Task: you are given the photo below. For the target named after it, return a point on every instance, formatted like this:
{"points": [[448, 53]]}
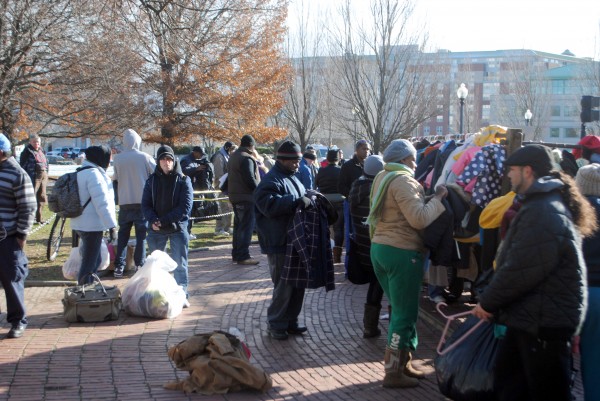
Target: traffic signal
{"points": [[589, 109]]}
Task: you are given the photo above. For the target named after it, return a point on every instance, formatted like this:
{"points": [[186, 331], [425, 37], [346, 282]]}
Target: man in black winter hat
{"points": [[243, 178], [166, 204], [196, 166], [277, 197]]}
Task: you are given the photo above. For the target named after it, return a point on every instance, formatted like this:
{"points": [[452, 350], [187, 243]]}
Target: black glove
{"points": [[112, 234], [304, 202]]}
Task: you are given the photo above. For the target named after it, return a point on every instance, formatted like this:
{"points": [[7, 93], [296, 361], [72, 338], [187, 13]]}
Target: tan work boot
{"points": [[411, 371], [394, 363]]}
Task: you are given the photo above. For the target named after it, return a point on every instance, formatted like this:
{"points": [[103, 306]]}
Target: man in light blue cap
{"points": [[18, 205]]}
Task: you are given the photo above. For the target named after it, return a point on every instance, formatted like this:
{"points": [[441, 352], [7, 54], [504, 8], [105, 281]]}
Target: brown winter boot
{"points": [[394, 363], [337, 254], [371, 321], [411, 371]]}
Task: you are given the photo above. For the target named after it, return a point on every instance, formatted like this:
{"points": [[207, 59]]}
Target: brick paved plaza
{"points": [[127, 359]]}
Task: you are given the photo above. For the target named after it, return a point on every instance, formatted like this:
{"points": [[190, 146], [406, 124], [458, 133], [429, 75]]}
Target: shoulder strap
{"points": [[77, 171]]}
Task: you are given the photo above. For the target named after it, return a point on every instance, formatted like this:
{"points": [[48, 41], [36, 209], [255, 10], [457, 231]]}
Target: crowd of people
{"points": [[543, 291]]}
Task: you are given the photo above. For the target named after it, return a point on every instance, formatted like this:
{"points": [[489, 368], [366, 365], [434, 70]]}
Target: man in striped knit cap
{"points": [[17, 209]]}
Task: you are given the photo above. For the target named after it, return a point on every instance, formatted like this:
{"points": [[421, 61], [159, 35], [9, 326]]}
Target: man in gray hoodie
{"points": [[132, 168]]}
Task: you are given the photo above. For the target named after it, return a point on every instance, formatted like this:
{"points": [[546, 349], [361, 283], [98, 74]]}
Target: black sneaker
{"points": [[16, 331], [118, 273]]}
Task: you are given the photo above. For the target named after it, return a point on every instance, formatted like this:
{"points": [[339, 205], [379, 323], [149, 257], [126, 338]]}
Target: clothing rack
{"points": [[555, 145]]}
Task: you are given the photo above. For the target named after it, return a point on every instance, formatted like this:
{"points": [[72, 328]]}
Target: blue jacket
{"points": [[181, 200], [275, 200], [305, 176]]}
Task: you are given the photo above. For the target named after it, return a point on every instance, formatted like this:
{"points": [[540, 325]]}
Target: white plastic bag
{"points": [[73, 264], [153, 291], [104, 255], [71, 267]]}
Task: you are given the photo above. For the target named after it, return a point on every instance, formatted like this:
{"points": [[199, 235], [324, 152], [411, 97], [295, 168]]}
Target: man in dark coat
{"points": [[166, 204], [327, 181], [242, 180], [196, 166], [538, 287], [277, 197]]}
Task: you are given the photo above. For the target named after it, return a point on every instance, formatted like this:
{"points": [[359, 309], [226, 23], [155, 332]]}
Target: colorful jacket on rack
{"points": [[487, 167]]}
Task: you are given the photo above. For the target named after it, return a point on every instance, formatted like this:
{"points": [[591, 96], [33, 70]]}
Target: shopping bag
{"points": [[466, 371], [72, 265], [90, 303], [152, 291]]}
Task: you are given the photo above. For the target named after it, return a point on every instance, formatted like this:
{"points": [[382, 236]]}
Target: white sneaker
{"points": [[192, 236], [222, 232]]}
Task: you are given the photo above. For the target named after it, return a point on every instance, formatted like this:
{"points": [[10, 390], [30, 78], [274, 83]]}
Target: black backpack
{"points": [[64, 199]]}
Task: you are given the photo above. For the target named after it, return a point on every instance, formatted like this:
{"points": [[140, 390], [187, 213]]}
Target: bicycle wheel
{"points": [[56, 235]]}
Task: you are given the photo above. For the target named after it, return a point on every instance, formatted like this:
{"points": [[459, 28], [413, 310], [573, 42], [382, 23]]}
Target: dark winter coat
{"points": [[177, 205], [243, 176], [351, 170], [539, 283], [201, 179], [33, 162], [359, 199], [275, 200]]}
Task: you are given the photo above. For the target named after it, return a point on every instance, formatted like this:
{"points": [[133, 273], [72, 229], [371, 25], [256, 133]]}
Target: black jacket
{"points": [[179, 204], [243, 176], [275, 200], [539, 283], [328, 178], [201, 179], [351, 170], [359, 199]]}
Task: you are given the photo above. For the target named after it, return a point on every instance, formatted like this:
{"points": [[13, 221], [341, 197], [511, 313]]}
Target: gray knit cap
{"points": [[398, 150], [373, 165]]}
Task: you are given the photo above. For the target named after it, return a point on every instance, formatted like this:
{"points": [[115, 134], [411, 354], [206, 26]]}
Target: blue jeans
{"points": [[179, 245], [286, 303], [243, 226], [89, 248], [12, 276], [130, 217]]}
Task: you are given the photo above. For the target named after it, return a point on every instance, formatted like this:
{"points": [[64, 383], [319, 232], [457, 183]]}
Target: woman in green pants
{"points": [[399, 211]]}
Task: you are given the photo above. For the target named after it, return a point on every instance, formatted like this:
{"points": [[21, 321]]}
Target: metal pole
{"points": [[582, 130], [462, 103]]}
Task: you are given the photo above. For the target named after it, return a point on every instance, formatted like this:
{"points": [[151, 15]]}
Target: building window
{"points": [[439, 119], [426, 130], [554, 132], [485, 112], [438, 130], [555, 111], [571, 111], [571, 133], [558, 87]]}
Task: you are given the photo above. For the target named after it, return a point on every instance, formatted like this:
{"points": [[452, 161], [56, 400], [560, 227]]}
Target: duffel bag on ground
{"points": [[92, 302]]}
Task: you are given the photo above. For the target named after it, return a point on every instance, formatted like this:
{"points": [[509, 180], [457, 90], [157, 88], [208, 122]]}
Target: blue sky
{"points": [[463, 25]]}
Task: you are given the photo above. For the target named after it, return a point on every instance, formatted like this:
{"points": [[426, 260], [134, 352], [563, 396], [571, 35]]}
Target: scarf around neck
{"points": [[394, 170]]}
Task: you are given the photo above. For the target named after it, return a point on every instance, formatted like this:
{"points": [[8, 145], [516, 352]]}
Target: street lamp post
{"points": [[528, 115], [462, 93]]}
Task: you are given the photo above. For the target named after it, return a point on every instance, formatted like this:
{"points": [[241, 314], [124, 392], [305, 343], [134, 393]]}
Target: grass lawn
{"points": [[42, 269]]}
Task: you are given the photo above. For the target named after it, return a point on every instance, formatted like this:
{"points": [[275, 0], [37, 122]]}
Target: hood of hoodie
{"points": [[543, 185], [131, 140]]}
